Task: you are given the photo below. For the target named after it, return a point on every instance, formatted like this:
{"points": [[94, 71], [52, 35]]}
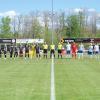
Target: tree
{"points": [[82, 21], [5, 27], [62, 22], [46, 21], [36, 28], [14, 27], [73, 26]]}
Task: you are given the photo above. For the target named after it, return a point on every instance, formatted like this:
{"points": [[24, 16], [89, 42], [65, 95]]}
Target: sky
{"points": [[25, 6]]}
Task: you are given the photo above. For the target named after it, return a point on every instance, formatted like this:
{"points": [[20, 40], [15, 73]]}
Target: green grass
{"points": [[24, 79], [77, 79], [30, 79]]}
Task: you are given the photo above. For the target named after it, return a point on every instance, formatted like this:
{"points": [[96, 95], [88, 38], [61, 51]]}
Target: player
{"points": [[80, 51], [5, 51], [26, 51], [37, 48], [52, 50], [20, 50], [15, 51], [74, 50], [32, 51], [0, 52], [68, 50], [11, 51], [45, 50], [90, 50], [96, 50], [59, 50]]}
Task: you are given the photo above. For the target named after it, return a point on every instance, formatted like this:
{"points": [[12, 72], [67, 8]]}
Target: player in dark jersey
{"points": [[26, 50], [37, 47], [11, 51], [5, 51], [15, 51], [0, 52], [20, 51]]}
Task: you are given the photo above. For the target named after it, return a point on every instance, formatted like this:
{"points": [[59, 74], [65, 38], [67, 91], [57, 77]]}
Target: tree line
{"points": [[38, 24]]}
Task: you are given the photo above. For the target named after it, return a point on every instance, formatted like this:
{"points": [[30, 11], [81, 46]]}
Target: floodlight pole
{"points": [[52, 22]]}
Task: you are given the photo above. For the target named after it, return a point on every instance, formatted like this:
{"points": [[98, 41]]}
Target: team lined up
{"points": [[70, 50]]}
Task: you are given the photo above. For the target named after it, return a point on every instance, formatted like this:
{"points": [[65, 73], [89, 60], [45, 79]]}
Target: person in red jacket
{"points": [[74, 50]]}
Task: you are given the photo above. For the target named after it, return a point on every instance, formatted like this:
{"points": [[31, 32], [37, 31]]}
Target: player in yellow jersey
{"points": [[52, 50], [59, 50], [32, 51], [45, 50]]}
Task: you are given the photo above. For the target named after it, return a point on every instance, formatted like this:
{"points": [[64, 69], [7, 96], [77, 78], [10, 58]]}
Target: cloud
{"points": [[1, 14], [41, 20], [9, 13], [77, 10], [91, 10], [98, 15]]}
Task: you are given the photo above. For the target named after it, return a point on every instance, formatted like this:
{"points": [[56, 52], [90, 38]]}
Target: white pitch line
{"points": [[52, 81]]}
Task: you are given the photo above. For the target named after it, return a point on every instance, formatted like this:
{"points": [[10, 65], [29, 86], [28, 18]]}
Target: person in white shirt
{"points": [[90, 50], [96, 50], [80, 51], [68, 50]]}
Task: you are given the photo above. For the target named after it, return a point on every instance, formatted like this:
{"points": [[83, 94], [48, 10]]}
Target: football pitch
{"points": [[30, 79]]}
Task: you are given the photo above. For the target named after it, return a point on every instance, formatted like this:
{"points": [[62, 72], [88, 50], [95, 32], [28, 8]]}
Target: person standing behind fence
{"points": [[52, 50], [5, 51], [45, 50], [60, 50], [96, 50]]}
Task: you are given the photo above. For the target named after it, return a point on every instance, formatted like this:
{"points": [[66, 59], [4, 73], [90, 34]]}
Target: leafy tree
{"points": [[5, 27], [73, 26], [36, 28]]}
